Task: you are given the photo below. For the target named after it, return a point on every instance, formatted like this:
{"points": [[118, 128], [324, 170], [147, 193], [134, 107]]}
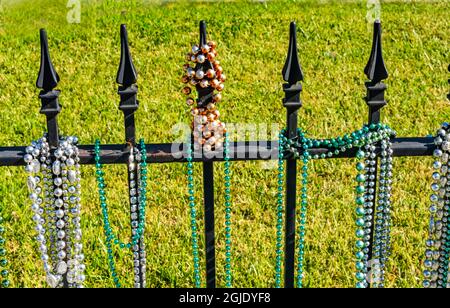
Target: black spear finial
{"points": [[292, 72], [126, 78], [47, 80], [48, 77], [204, 94], [202, 33], [126, 75], [375, 69]]}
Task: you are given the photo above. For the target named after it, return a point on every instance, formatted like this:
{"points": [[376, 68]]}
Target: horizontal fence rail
{"points": [[239, 151]]}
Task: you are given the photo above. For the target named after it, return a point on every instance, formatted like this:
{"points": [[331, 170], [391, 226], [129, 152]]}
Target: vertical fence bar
{"points": [[292, 74], [208, 190], [204, 98], [126, 78], [47, 80], [375, 71]]}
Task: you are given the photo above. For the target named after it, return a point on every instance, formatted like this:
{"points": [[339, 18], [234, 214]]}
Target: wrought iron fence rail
{"points": [[240, 151]]}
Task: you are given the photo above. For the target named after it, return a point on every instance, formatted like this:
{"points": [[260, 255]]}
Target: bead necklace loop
{"points": [[365, 138], [193, 214], [138, 199], [55, 190], [436, 272]]}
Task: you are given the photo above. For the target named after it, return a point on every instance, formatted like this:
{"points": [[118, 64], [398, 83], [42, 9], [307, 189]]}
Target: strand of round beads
{"points": [[381, 237], [374, 265], [446, 227], [193, 216], [372, 217], [366, 137], [438, 243], [58, 186], [69, 182], [369, 183], [445, 158], [106, 226], [137, 198], [142, 175], [227, 179], [384, 207], [3, 261], [305, 157], [36, 153], [441, 222], [134, 216], [280, 199], [48, 204], [137, 225], [62, 211], [363, 216]]}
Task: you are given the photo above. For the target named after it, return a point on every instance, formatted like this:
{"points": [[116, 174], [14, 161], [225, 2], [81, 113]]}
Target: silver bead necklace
{"points": [[438, 243], [55, 191], [382, 237], [379, 212], [139, 255]]}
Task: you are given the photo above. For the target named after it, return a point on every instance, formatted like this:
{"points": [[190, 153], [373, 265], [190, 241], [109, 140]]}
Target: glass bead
{"points": [[360, 154], [360, 276], [360, 222], [360, 189], [360, 178], [360, 233], [359, 244], [437, 165], [360, 266], [360, 211]]}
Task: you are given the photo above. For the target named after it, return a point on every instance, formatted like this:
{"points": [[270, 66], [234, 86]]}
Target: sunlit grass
{"points": [[334, 45]]}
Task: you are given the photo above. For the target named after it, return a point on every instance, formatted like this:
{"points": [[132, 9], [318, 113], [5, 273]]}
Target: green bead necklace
{"points": [[111, 237], [227, 180], [280, 199], [363, 138], [193, 214], [303, 211], [3, 261]]}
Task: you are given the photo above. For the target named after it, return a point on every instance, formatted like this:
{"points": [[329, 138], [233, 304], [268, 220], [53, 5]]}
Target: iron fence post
{"points": [[47, 80], [375, 71], [204, 98], [126, 78], [292, 74]]}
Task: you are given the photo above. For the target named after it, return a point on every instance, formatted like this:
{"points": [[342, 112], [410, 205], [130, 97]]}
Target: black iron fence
{"points": [[255, 150]]}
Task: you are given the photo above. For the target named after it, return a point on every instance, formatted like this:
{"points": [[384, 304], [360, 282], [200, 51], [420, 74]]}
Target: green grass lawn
{"points": [[334, 45]]}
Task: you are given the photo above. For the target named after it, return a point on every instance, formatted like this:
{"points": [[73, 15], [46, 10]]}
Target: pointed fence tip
{"points": [[292, 72], [48, 78], [126, 75], [202, 33], [375, 69]]}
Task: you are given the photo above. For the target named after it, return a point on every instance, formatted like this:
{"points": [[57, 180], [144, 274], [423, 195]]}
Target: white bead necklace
{"points": [[55, 191]]}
